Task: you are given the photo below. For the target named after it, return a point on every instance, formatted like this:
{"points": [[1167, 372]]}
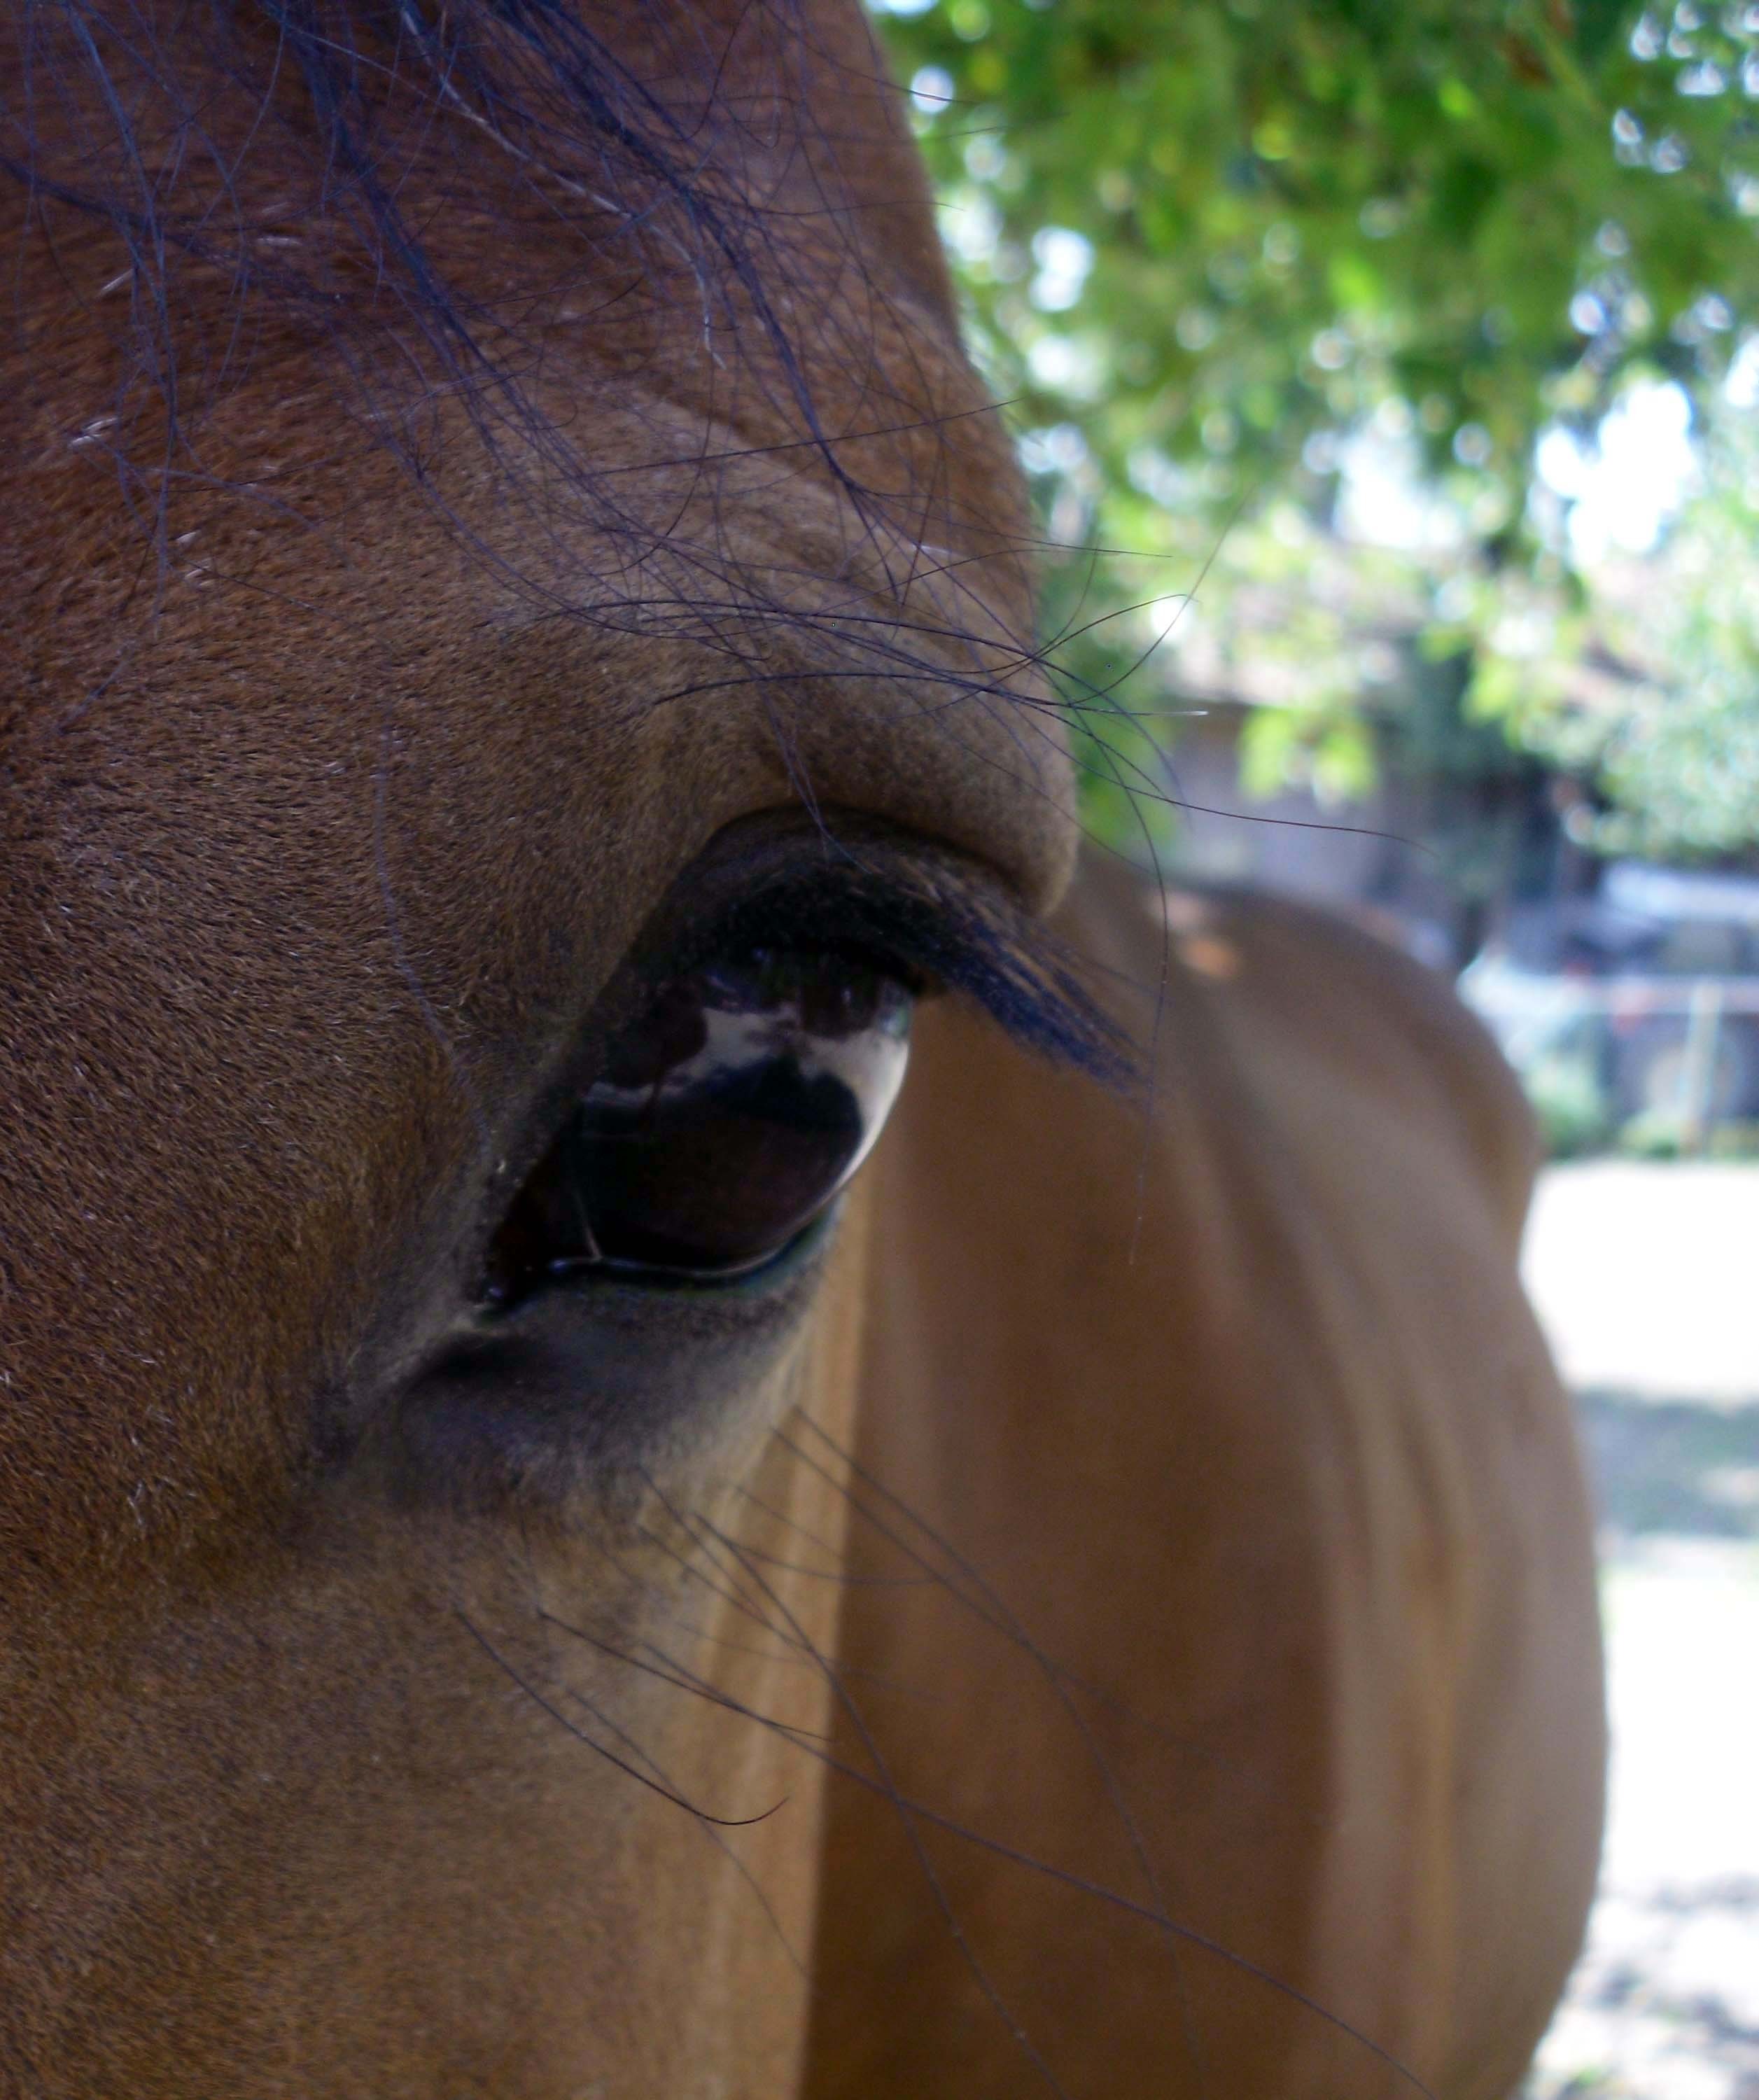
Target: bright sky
{"points": [[1624, 488]]}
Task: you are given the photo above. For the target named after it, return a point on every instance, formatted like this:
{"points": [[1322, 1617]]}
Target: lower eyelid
{"points": [[754, 1279], [585, 1387]]}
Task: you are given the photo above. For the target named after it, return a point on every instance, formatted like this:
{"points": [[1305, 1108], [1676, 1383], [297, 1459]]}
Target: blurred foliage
{"points": [[1569, 1104], [1231, 262], [1678, 754]]}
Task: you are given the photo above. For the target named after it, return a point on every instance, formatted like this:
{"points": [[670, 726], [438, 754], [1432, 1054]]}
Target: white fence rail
{"points": [[1680, 1051]]}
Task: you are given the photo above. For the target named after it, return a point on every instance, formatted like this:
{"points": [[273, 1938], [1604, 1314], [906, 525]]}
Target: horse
{"points": [[530, 1570]]}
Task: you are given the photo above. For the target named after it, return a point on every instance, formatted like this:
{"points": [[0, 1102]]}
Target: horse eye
{"points": [[726, 1118]]}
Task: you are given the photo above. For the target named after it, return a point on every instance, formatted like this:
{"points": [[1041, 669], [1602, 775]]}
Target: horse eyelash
{"points": [[938, 930]]}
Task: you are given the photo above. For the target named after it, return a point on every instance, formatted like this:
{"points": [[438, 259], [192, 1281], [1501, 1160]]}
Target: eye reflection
{"points": [[726, 1120]]}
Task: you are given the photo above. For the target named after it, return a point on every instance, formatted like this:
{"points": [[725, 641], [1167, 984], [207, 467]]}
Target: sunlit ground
{"points": [[1647, 1278]]}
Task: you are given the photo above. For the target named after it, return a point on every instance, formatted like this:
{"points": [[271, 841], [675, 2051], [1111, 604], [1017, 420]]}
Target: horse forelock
{"points": [[440, 202]]}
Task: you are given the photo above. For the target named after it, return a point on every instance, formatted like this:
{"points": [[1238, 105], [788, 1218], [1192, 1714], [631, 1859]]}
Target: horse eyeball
{"points": [[725, 1121]]}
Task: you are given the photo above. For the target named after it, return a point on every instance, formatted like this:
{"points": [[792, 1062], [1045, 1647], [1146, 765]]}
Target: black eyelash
{"points": [[934, 929]]}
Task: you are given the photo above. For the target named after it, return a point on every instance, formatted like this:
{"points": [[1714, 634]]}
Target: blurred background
{"points": [[1387, 373]]}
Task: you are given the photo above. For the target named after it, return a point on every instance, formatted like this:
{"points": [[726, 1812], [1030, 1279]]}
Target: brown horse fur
{"points": [[444, 549]]}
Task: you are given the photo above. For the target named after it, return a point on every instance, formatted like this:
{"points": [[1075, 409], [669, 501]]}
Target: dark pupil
{"points": [[725, 1121]]}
